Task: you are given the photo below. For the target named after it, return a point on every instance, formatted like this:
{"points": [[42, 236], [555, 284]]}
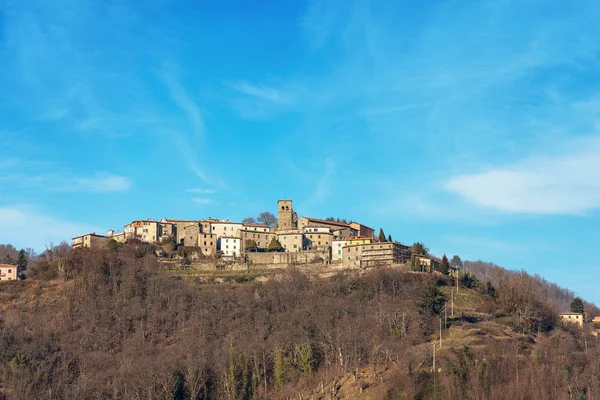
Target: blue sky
{"points": [[473, 127]]}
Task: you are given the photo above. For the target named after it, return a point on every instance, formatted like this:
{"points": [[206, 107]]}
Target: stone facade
{"points": [[428, 263], [8, 272], [260, 234], [190, 235], [363, 230], [208, 244], [91, 241], [291, 240], [292, 258], [339, 230], [148, 231], [317, 238], [286, 217]]}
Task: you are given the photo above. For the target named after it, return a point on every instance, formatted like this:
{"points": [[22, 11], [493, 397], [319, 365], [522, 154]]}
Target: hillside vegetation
{"points": [[115, 325]]}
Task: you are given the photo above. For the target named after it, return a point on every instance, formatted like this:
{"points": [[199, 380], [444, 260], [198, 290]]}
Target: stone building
{"points": [[116, 236], [286, 217], [208, 244], [149, 231], [428, 263], [369, 255], [8, 272], [317, 237], [339, 230], [291, 240], [261, 234], [176, 228], [190, 235], [230, 246], [363, 230], [90, 240]]}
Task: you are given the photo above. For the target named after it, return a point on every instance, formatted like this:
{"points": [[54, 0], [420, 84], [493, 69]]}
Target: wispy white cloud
{"points": [[261, 92], [564, 184], [323, 187], [201, 191], [103, 184], [18, 220]]}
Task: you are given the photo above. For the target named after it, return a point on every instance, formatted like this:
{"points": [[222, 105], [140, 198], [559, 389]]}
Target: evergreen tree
{"points": [[22, 261], [381, 235], [577, 305], [445, 266], [420, 249], [274, 245], [432, 300], [456, 261], [390, 238]]}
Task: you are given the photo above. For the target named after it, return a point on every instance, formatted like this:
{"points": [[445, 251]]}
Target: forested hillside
{"points": [[115, 325]]}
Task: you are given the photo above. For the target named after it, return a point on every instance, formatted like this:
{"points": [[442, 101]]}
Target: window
{"points": [[319, 243], [295, 246], [319, 236], [339, 252], [227, 246], [205, 242], [211, 243], [10, 271]]}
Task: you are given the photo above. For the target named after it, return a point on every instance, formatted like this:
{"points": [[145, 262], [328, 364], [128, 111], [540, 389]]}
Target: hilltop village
{"points": [[291, 241]]}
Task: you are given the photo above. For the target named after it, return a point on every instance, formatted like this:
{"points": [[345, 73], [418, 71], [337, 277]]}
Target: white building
{"points": [[337, 247], [231, 246], [225, 229]]}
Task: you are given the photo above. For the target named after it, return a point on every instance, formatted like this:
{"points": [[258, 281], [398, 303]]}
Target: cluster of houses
{"points": [[350, 244]]}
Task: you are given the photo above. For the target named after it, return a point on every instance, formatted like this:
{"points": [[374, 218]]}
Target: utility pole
{"points": [[434, 378], [440, 332], [446, 315], [452, 300]]}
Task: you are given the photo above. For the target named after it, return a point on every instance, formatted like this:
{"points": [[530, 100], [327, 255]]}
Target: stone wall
{"points": [[303, 257]]}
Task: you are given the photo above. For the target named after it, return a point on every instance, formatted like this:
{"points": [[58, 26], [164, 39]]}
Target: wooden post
{"points": [[452, 302]]}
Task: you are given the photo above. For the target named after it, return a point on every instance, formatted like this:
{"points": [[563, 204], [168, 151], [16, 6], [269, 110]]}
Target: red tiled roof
{"points": [[324, 221]]}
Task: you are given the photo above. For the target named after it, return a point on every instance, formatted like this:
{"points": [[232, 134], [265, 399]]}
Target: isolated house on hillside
{"points": [[91, 240], [572, 317], [8, 272]]}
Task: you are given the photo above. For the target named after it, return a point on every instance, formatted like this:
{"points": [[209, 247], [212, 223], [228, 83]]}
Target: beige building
{"points": [[317, 237], [116, 236], [339, 230], [369, 255], [261, 234], [428, 263], [226, 229], [291, 240], [230, 246], [90, 240], [363, 230], [8, 272], [572, 317], [148, 231]]}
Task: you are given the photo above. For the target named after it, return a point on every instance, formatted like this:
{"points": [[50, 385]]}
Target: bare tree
{"points": [[267, 218]]}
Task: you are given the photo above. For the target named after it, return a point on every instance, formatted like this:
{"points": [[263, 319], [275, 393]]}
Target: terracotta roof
{"points": [[257, 225], [7, 266], [358, 223], [324, 221], [570, 313]]}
